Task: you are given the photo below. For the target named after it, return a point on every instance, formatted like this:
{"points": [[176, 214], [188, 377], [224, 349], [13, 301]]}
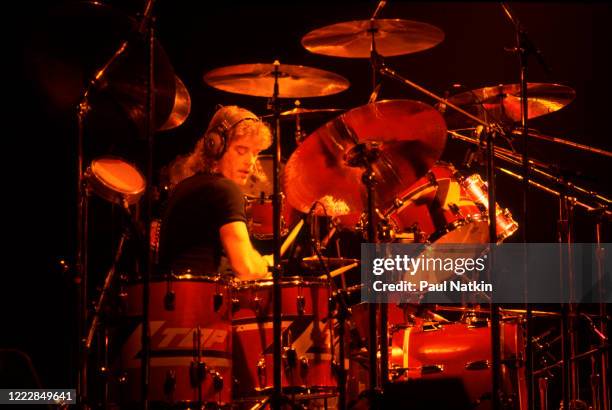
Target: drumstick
{"points": [[340, 271], [291, 237]]}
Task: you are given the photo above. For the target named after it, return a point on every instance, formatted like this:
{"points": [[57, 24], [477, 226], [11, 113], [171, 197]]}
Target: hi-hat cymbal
{"points": [[502, 103], [295, 81], [411, 137], [392, 37]]}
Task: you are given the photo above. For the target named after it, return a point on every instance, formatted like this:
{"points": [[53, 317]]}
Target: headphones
{"points": [[216, 136]]}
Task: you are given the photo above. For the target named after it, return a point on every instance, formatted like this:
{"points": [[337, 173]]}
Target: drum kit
{"points": [[374, 170]]}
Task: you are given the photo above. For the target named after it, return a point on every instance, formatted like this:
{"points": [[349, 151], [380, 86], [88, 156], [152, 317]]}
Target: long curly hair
{"points": [[198, 161]]}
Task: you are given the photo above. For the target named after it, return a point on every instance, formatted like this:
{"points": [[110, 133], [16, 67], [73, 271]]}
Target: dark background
{"points": [[58, 49]]}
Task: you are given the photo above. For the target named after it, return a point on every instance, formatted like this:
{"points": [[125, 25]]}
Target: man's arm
{"points": [[245, 260]]}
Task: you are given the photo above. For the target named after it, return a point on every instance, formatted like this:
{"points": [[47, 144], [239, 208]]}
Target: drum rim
{"points": [[285, 281], [92, 173], [183, 277], [108, 192]]}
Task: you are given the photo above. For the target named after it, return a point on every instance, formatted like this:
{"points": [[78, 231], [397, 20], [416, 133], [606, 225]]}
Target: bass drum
{"points": [[190, 323]]}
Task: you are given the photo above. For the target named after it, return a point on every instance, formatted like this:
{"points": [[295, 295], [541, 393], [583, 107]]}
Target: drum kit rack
{"points": [[351, 167]]}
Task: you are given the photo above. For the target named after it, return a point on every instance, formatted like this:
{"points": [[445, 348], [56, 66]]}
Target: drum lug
{"points": [[290, 357], [256, 305], [170, 300], [217, 381], [217, 301], [197, 373], [261, 372], [304, 365], [235, 305], [301, 305], [122, 378], [432, 369], [170, 382], [478, 365]]}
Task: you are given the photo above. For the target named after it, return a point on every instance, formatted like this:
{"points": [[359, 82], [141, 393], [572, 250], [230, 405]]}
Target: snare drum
{"points": [[443, 207], [306, 337], [180, 310], [115, 180]]}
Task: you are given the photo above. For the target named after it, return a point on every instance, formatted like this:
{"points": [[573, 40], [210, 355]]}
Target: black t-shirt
{"points": [[196, 210]]}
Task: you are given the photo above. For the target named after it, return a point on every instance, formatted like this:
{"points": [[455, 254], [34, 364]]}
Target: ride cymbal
{"points": [[257, 80], [502, 103], [353, 39], [410, 136]]}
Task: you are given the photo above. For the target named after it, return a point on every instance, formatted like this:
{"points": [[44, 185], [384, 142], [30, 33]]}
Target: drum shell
{"points": [[460, 351], [421, 349], [203, 302], [101, 173], [305, 328], [444, 207]]}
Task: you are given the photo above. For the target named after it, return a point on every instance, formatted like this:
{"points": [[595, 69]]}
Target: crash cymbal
{"points": [[295, 81], [72, 44], [411, 136], [305, 112], [502, 103], [181, 109], [392, 37]]}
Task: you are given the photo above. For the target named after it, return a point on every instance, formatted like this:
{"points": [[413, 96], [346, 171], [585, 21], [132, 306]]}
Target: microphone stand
{"points": [[277, 393], [147, 25], [363, 155], [81, 265], [524, 47]]}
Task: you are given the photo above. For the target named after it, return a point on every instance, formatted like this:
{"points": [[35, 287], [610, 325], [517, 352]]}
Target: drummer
{"points": [[204, 222]]}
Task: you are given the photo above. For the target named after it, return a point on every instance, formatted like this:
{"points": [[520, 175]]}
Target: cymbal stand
{"points": [[147, 28], [81, 265], [524, 48], [277, 394], [364, 155]]}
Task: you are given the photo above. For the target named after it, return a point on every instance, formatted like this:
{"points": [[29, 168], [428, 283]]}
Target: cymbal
{"points": [[295, 81], [392, 37], [75, 40], [181, 109], [411, 136], [305, 112], [502, 103]]}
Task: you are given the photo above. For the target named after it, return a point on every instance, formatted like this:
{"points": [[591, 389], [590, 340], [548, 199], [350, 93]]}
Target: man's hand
{"points": [[269, 259]]}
